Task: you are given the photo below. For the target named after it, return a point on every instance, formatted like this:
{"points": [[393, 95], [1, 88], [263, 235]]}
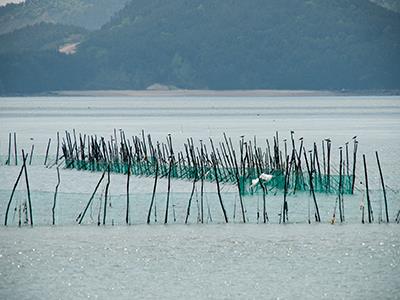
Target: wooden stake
{"points": [[81, 216], [15, 148], [169, 189], [354, 166], [12, 195], [58, 147], [383, 187], [106, 194], [27, 187], [370, 213], [31, 156], [154, 192], [218, 188], [47, 152], [317, 215], [55, 196], [190, 200], [127, 191], [8, 162], [340, 186]]}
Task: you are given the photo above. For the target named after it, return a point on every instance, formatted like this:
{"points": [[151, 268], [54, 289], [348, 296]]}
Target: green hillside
{"points": [[90, 14], [229, 44], [39, 37], [254, 44], [393, 5]]}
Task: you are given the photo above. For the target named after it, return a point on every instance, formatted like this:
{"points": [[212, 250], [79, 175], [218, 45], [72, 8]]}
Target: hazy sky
{"points": [[4, 2]]}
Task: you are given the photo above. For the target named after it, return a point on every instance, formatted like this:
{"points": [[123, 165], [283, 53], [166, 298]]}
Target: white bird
{"points": [[266, 177], [254, 182], [263, 177]]}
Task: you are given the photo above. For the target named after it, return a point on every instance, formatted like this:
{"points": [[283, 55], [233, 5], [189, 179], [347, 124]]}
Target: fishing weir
{"points": [[141, 157], [253, 167]]}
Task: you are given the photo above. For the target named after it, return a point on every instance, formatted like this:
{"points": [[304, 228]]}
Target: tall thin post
{"points": [[47, 152], [82, 215], [9, 150], [190, 200], [328, 146], [383, 186], [354, 165], [317, 215], [238, 183], [127, 191], [340, 185], [15, 148], [370, 213], [285, 205], [169, 190], [106, 194], [58, 147], [31, 155], [202, 184], [154, 192], [53, 209], [12, 195], [347, 162], [27, 188], [218, 188]]}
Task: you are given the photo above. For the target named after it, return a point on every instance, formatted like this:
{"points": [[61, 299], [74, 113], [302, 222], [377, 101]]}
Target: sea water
{"points": [[272, 261]]}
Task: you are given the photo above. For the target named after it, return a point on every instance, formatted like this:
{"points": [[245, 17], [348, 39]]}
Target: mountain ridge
{"points": [[217, 45], [90, 14]]}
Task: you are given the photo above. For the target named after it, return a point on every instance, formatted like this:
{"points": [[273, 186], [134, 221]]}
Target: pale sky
{"points": [[4, 2]]}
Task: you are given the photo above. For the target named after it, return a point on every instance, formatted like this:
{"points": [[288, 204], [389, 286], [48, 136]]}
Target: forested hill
{"points": [[40, 37], [389, 4], [226, 44], [90, 14]]}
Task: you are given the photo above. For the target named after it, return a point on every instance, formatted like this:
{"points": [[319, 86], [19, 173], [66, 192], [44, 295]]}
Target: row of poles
{"points": [[86, 152], [140, 156]]}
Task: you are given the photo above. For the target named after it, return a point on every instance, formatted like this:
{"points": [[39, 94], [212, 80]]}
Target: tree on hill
{"points": [[90, 14], [228, 44]]}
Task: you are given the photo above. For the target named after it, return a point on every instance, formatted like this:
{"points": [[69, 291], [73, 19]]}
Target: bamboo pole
{"points": [[370, 213], [12, 195], [328, 146], [190, 200], [47, 152], [169, 190], [317, 215], [340, 186], [347, 160], [202, 184], [218, 188], [58, 147], [354, 165], [31, 155], [285, 205], [55, 196], [8, 162], [15, 148], [323, 156], [82, 215], [154, 193], [24, 158], [106, 195], [383, 186], [127, 191]]}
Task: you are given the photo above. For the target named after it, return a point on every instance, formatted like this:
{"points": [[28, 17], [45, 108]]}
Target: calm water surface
{"points": [[302, 261]]}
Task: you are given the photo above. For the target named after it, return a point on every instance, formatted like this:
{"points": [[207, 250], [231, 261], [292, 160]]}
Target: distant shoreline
{"points": [[195, 93], [208, 93]]}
